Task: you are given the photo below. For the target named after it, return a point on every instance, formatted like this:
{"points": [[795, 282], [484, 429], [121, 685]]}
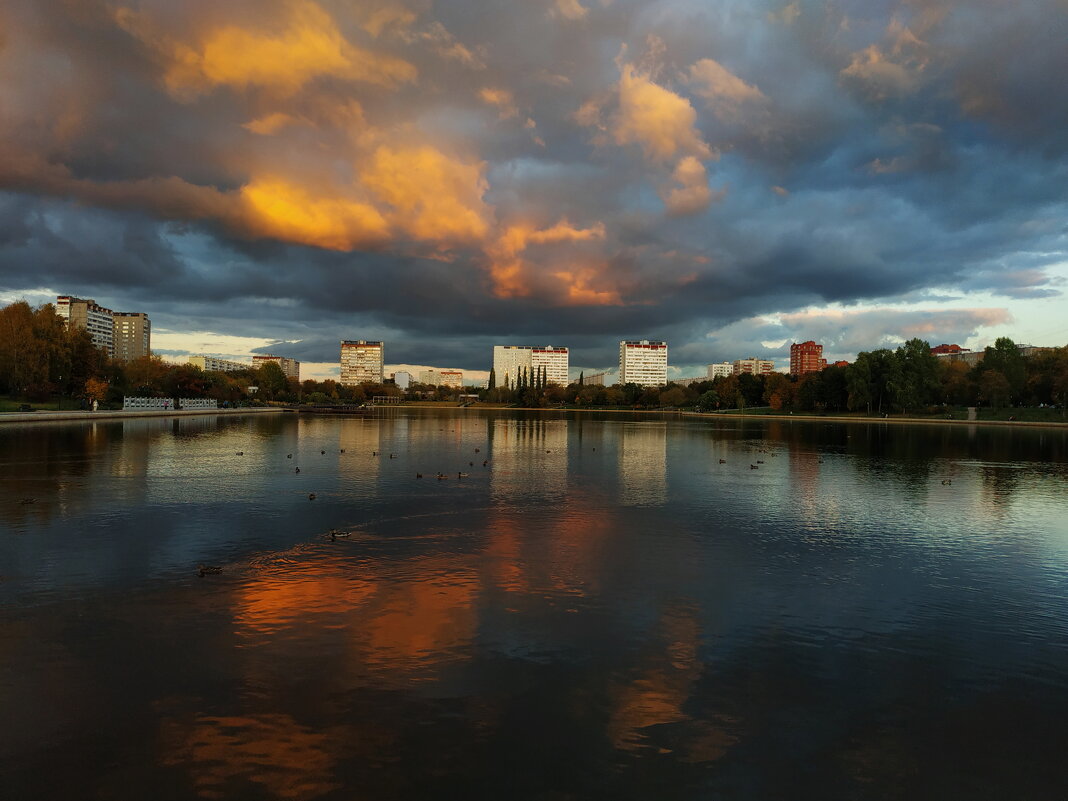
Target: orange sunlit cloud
{"points": [[435, 198], [691, 193], [578, 285], [502, 99], [662, 122], [309, 46], [289, 212], [507, 267]]}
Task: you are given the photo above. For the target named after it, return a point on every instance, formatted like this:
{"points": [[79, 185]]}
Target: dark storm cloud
{"points": [[457, 174]]}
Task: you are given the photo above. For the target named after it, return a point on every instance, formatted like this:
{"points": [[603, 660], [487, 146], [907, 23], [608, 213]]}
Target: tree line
{"points": [[908, 379], [41, 359]]}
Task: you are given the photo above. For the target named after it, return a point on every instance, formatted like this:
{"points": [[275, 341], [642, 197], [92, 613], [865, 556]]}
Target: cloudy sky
{"points": [[728, 175]]}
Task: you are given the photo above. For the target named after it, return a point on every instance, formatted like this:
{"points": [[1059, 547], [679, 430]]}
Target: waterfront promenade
{"points": [[101, 416]]}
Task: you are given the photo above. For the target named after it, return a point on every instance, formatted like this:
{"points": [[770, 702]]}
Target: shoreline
{"points": [[891, 420], [804, 418], [83, 416]]}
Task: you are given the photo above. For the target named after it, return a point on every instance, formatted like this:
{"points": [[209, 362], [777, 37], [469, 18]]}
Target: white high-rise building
{"points": [[85, 313], [643, 362], [554, 360], [402, 378], [361, 361], [510, 360], [720, 369]]}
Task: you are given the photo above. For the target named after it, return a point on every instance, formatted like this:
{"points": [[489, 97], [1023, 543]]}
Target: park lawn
{"points": [[1045, 414], [10, 405]]}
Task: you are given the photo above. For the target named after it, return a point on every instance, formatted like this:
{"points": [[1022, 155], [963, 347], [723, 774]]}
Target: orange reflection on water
{"points": [[658, 694], [414, 624], [272, 752], [567, 550], [503, 554], [272, 603]]}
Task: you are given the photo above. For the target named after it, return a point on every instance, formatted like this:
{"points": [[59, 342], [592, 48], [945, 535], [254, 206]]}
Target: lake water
{"points": [[607, 607]]}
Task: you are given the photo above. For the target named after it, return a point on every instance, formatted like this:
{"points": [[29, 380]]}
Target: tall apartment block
{"points": [[556, 362], [214, 365], [643, 362], [510, 360], [806, 357], [753, 366], [291, 367], [720, 368], [361, 361], [132, 334], [87, 314]]}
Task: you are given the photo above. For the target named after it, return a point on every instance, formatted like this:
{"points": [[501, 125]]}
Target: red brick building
{"points": [[939, 350], [806, 357]]}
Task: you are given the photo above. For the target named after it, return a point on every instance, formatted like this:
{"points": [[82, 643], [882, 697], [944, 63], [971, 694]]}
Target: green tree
{"points": [[708, 401], [1004, 357], [918, 367], [994, 389], [955, 384], [271, 380], [673, 396], [777, 390]]}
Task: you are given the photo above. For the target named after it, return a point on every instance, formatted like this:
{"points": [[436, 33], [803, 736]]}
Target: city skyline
{"points": [[510, 363], [728, 178]]}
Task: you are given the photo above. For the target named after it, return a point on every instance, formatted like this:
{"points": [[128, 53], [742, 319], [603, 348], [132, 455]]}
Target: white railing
{"points": [[148, 404], [198, 403]]}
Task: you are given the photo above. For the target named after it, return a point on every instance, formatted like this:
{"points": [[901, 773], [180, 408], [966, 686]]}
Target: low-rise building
{"points": [[216, 365], [720, 369], [752, 366], [290, 367], [944, 349], [451, 378]]}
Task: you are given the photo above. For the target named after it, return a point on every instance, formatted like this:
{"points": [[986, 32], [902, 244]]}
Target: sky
{"points": [[273, 176]]}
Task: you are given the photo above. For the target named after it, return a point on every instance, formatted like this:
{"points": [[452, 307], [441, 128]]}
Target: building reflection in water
{"points": [[529, 455], [642, 454], [474, 632], [361, 438]]}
